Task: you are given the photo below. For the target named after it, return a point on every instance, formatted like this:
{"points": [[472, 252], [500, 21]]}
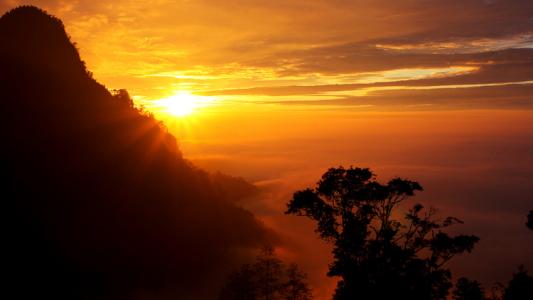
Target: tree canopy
{"points": [[376, 254], [466, 289], [520, 287], [267, 278]]}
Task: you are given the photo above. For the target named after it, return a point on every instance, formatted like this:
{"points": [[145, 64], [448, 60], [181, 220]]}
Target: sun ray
{"points": [[181, 104]]}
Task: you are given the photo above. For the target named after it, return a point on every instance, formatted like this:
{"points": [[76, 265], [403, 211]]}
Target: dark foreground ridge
{"points": [[100, 202]]}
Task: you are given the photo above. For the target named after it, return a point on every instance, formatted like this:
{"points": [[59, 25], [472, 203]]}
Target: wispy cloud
{"points": [[237, 45]]}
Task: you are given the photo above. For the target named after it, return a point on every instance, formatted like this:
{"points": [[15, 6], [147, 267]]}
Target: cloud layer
{"points": [[205, 46]]}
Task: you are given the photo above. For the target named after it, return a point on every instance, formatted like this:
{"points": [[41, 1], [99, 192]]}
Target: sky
{"points": [[436, 91]]}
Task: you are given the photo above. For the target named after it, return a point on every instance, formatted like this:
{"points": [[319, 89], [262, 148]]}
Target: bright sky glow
{"points": [[182, 103]]}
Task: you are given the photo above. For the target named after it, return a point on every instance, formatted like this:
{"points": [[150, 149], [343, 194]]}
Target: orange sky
{"points": [[437, 91], [156, 48]]}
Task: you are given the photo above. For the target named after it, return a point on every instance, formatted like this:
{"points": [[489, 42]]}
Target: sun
{"points": [[181, 104]]}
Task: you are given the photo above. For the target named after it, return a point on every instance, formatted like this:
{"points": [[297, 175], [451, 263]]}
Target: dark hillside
{"points": [[100, 202]]}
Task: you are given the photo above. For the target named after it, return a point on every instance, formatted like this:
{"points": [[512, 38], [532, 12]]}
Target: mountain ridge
{"points": [[101, 203]]}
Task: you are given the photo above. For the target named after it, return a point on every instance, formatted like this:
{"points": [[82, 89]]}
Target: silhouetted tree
{"points": [[520, 287], [295, 286], [529, 222], [267, 278], [466, 289], [377, 256], [269, 270], [240, 285]]}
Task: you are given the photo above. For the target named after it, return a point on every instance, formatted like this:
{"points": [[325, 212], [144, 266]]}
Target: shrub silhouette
{"points": [[375, 255], [99, 202], [520, 287], [268, 278], [466, 289], [295, 286]]}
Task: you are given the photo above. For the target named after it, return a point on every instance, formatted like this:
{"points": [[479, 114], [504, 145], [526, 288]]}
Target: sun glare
{"points": [[181, 104]]}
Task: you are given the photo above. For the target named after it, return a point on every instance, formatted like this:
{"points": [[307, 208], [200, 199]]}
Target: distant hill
{"points": [[100, 204]]}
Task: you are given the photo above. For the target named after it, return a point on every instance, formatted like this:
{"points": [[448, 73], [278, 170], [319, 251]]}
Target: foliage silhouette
{"points": [[268, 270], [296, 287], [268, 278], [466, 289], [377, 256], [99, 202], [520, 287]]}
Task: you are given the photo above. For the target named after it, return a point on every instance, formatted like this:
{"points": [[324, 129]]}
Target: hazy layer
{"points": [[475, 164]]}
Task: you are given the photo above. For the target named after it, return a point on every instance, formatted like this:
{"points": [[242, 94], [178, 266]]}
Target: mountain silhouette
{"points": [[100, 203]]}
